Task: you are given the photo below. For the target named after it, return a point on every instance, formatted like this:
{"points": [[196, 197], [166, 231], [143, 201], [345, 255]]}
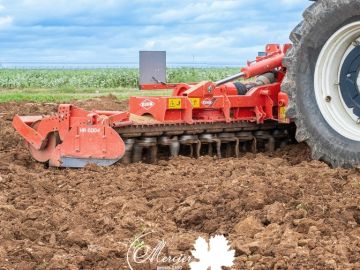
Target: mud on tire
{"points": [[321, 20]]}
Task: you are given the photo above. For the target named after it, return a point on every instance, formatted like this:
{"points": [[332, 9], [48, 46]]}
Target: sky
{"points": [[113, 31]]}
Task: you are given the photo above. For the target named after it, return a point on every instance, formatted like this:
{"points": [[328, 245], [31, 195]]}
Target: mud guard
{"points": [[83, 145]]}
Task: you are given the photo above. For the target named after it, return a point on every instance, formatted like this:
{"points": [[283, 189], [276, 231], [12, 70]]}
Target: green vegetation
{"points": [[67, 85]]}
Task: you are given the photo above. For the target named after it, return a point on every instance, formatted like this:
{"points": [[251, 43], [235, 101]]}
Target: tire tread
{"points": [[293, 63]]}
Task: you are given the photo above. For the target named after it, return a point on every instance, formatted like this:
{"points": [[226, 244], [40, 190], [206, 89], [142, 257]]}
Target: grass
{"points": [[66, 85]]}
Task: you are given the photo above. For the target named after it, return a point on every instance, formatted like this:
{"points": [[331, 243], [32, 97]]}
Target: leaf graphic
{"points": [[201, 248], [216, 255], [220, 248], [201, 253]]}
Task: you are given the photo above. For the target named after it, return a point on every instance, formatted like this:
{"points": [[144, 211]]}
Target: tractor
{"points": [[308, 90]]}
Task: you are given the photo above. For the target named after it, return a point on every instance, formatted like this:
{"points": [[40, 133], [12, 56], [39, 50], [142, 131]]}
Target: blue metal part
{"points": [[69, 162], [348, 81]]}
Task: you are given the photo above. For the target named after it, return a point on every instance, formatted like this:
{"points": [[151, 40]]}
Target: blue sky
{"points": [[105, 31]]}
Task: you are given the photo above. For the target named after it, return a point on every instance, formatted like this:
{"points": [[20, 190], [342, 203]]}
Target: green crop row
{"points": [[100, 78]]}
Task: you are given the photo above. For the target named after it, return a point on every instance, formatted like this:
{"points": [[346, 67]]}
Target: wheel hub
{"points": [[349, 78]]}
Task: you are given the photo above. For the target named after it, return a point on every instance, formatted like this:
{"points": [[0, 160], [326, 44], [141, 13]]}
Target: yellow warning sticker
{"points": [[195, 102], [282, 115], [175, 103]]}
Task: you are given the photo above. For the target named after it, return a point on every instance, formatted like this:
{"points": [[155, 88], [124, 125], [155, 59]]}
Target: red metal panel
{"points": [[22, 124]]}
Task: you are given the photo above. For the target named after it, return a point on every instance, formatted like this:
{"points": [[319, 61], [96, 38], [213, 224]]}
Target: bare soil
{"points": [[279, 210]]}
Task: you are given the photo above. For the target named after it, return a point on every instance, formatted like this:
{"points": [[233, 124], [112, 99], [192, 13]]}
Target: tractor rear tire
{"points": [[325, 45]]}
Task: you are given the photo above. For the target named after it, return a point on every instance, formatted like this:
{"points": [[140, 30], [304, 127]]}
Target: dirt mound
{"points": [[109, 103], [280, 211]]}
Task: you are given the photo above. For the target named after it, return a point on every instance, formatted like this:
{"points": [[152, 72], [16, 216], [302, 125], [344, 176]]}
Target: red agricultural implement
{"points": [[312, 83], [206, 113]]}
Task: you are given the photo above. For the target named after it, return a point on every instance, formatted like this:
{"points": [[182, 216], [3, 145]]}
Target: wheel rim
{"points": [[331, 94]]}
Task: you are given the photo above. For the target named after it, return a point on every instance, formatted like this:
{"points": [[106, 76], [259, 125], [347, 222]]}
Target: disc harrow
{"points": [[147, 144], [219, 119]]}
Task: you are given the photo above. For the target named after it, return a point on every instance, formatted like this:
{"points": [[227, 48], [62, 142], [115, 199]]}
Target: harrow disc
{"points": [[149, 143]]}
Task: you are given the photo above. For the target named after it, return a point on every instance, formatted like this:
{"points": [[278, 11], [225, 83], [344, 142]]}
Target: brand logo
{"points": [[208, 102], [147, 104], [212, 255]]}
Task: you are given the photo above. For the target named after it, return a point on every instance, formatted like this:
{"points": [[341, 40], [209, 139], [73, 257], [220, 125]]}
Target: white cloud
{"points": [[291, 2], [6, 21], [114, 30], [198, 10]]}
